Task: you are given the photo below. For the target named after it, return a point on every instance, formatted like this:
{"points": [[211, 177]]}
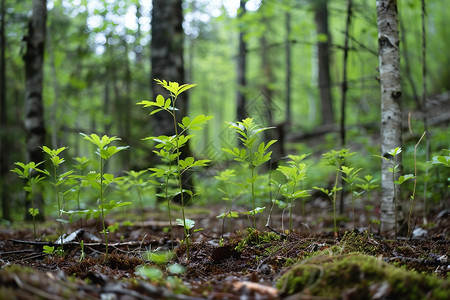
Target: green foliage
{"points": [[28, 172], [338, 160], [169, 148], [251, 153], [294, 173], [101, 180], [442, 160]]}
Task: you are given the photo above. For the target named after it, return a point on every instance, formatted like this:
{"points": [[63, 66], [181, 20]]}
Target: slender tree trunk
{"points": [[34, 111], [3, 119], [167, 63], [424, 106], [391, 113], [288, 114], [344, 72], [241, 69], [344, 89], [55, 107], [323, 49]]}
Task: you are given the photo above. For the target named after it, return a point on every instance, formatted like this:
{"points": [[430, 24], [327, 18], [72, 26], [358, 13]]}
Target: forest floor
{"points": [[309, 263]]}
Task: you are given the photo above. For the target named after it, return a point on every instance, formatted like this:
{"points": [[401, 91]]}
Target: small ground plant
{"points": [[251, 154], [394, 169], [26, 171], [295, 173]]}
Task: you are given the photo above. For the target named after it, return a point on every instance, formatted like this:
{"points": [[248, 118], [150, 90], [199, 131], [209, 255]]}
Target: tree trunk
{"points": [[391, 114], [167, 63], [323, 51], [288, 115], [241, 112], [3, 119], [34, 111]]}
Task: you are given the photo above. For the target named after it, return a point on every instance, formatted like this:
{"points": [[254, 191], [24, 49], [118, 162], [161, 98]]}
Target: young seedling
{"points": [[336, 159], [80, 166], [170, 148], [135, 180], [102, 180], [58, 180], [394, 169], [25, 171], [229, 194], [250, 155], [294, 173], [350, 175], [415, 184]]}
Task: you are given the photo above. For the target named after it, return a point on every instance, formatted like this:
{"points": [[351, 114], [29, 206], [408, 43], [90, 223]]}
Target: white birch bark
{"points": [[391, 114]]}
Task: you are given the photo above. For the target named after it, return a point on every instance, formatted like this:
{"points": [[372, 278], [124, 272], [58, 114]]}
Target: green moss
{"points": [[255, 237], [360, 276], [363, 243]]}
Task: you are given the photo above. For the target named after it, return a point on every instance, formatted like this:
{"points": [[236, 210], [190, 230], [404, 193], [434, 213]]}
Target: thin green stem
{"points": [[290, 207], [180, 180], [141, 206], [395, 196], [102, 210], [253, 193], [334, 201]]}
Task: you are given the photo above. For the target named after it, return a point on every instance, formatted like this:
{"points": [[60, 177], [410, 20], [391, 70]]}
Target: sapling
{"points": [[170, 148], [350, 175], [336, 159], [251, 154], [294, 173], [394, 169], [415, 184], [102, 180], [25, 171], [58, 180], [229, 194], [135, 180], [81, 165]]}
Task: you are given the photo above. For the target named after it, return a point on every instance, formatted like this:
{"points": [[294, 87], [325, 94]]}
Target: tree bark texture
{"points": [[3, 120], [241, 112], [34, 111], [323, 52], [167, 56], [391, 113]]}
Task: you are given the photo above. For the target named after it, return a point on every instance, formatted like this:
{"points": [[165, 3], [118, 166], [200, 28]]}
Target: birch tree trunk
{"points": [[34, 111], [391, 113]]}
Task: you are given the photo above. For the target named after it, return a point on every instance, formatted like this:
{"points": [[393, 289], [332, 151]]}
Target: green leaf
{"points": [[229, 214], [404, 178], [149, 272], [189, 223]]}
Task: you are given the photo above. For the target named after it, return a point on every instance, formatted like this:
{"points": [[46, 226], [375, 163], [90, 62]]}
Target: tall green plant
{"points": [[58, 180], [102, 180], [250, 153], [336, 158], [170, 149]]}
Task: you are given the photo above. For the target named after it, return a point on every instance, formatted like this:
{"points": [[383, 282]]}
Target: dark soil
{"points": [[243, 264]]}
